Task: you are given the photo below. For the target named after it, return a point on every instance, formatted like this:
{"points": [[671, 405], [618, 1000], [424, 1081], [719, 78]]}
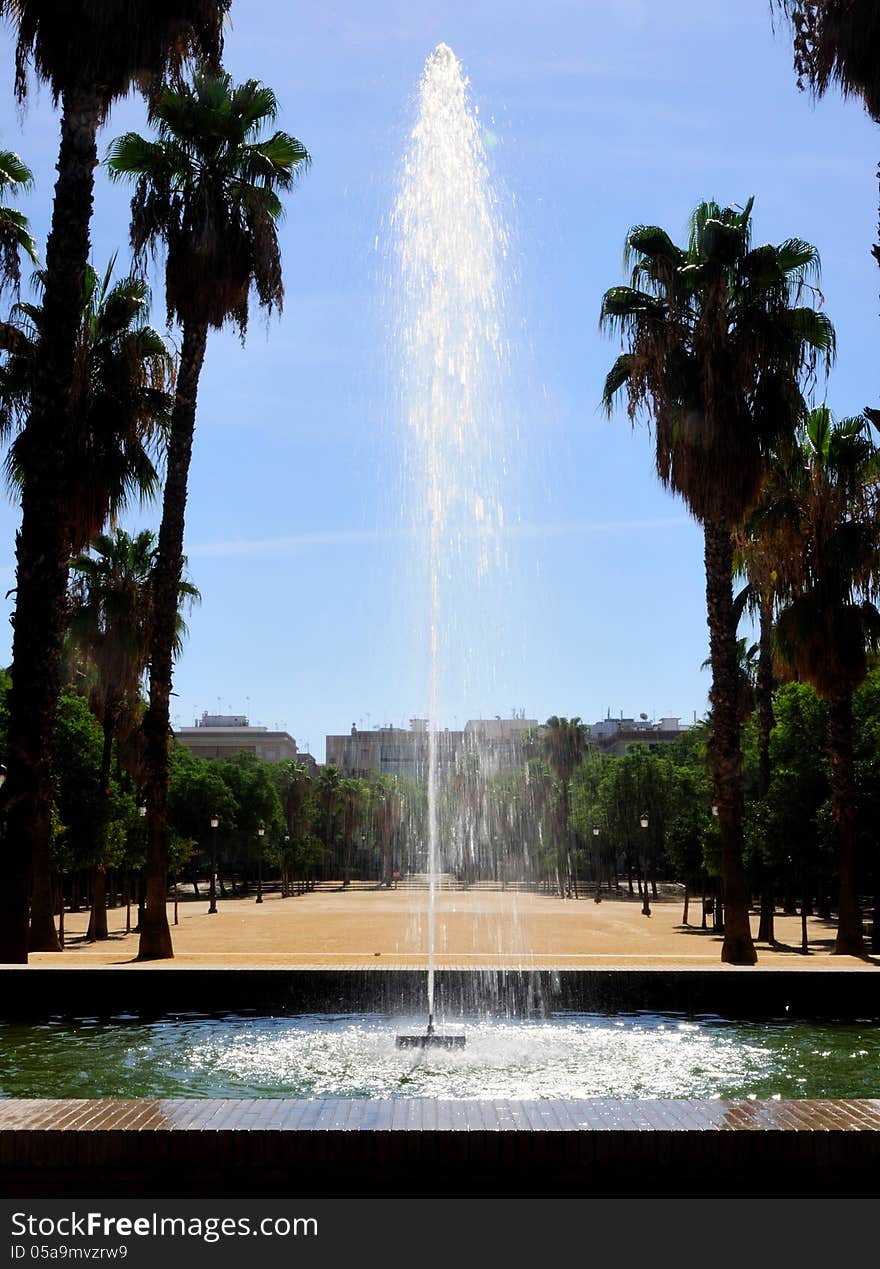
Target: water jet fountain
{"points": [[449, 244]]}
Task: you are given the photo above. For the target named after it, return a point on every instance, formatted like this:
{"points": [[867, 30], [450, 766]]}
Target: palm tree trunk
{"points": [[42, 550], [725, 750], [155, 939], [764, 692], [98, 919], [840, 752], [764, 687], [98, 916]]}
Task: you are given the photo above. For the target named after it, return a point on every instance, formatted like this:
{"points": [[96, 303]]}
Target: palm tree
{"points": [[759, 545], [835, 44], [208, 190], [828, 620], [294, 784], [89, 52], [15, 237], [120, 407], [111, 624], [355, 798], [328, 796], [386, 804], [566, 741], [717, 346], [119, 412]]}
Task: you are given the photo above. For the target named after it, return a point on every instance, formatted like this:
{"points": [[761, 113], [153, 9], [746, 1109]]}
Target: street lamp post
{"points": [[260, 833], [646, 905], [285, 872], [212, 906], [717, 908], [142, 812], [598, 895]]}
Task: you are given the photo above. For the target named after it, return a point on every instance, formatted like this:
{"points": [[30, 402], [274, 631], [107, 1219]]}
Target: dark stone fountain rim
{"points": [[29, 992]]}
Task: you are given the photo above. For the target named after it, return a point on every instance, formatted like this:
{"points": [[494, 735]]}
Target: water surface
{"points": [[568, 1055]]}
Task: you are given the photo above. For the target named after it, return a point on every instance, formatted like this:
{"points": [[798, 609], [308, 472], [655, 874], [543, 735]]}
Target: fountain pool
{"points": [[565, 1055]]}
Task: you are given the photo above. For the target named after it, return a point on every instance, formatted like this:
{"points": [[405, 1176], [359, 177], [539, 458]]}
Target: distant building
{"points": [[224, 735], [502, 743], [615, 736], [499, 744]]}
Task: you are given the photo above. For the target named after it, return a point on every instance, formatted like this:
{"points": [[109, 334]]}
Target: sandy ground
{"points": [[368, 927]]}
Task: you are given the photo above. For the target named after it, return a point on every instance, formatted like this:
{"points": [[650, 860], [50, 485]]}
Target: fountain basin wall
{"points": [[172, 1147], [38, 992], [177, 1148]]}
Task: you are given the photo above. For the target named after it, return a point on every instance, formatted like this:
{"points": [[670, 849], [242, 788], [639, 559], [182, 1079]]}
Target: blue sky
{"points": [[604, 115]]}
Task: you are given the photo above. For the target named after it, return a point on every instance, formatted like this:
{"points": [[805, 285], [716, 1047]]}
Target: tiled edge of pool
{"points": [[173, 1147]]}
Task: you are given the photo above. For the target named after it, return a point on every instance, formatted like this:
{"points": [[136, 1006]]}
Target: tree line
{"points": [[92, 400]]}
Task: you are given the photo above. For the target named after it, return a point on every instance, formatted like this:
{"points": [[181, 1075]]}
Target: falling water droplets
{"points": [[450, 243]]}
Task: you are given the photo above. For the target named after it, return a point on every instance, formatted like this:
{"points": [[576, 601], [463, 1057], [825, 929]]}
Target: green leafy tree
{"points": [[89, 53], [717, 345], [799, 786], [259, 806], [197, 792], [207, 190], [91, 823]]}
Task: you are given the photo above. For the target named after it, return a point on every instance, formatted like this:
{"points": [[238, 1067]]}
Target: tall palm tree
{"points": [[717, 344], [759, 546], [566, 742], [294, 783], [328, 796], [120, 406], [15, 178], [119, 412], [836, 43], [828, 621], [89, 52], [386, 805], [111, 624], [355, 799], [208, 191]]}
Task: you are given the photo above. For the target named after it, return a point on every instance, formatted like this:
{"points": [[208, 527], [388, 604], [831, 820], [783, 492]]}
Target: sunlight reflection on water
{"points": [[564, 1056]]}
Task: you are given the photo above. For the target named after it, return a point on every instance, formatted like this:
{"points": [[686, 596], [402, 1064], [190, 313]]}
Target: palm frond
{"points": [[618, 377]]}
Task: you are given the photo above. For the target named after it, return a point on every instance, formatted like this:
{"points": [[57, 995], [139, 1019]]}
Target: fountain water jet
{"points": [[450, 242]]}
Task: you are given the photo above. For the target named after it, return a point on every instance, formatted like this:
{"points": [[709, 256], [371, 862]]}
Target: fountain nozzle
{"points": [[431, 1039]]}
